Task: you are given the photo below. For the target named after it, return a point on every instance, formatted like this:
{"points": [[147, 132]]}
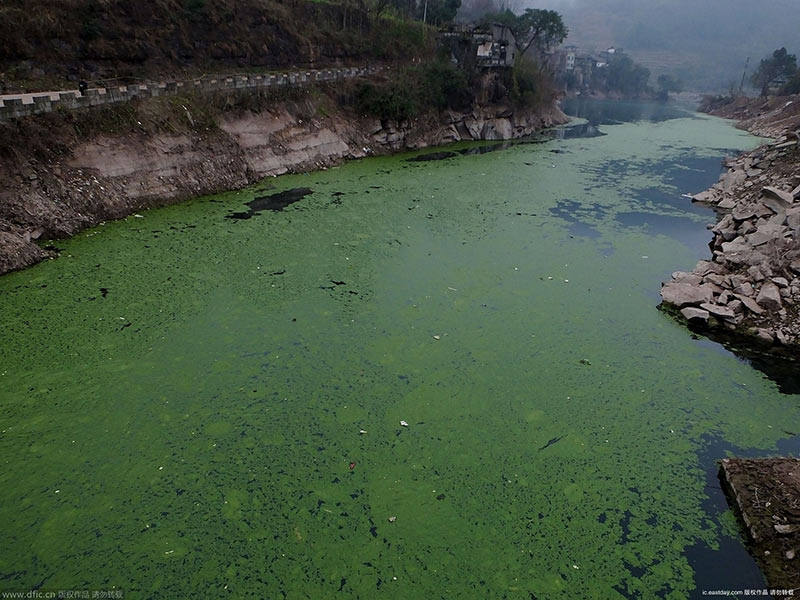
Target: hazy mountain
{"points": [[705, 42]]}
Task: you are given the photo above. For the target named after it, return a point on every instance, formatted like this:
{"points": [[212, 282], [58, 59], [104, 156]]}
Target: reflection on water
{"points": [[609, 112]]}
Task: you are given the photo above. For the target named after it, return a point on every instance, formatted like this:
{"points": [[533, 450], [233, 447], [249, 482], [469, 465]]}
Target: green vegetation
{"points": [[667, 84], [46, 44], [625, 76], [532, 85], [414, 90], [780, 66], [793, 85], [537, 28]]}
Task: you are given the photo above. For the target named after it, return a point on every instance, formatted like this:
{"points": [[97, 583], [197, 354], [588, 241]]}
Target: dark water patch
{"points": [[732, 566], [609, 111], [432, 156], [574, 132], [485, 149], [274, 202], [781, 368], [472, 150], [692, 175], [579, 216], [679, 228]]}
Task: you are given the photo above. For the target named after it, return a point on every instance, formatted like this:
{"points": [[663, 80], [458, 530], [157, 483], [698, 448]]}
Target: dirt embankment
{"points": [[751, 284], [61, 173]]}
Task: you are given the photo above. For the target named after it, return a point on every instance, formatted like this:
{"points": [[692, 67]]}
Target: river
{"points": [[420, 379]]}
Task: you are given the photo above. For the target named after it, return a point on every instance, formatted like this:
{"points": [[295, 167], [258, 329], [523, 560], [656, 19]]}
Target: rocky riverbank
{"points": [[751, 284], [57, 180]]}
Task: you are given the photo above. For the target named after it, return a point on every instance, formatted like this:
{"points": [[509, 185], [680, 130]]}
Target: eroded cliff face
{"points": [[48, 195]]}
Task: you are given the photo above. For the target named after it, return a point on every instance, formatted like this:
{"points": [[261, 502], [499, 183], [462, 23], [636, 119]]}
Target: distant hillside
{"points": [[51, 40], [705, 43]]}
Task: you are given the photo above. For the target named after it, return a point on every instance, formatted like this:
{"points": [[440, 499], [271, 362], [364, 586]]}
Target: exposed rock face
{"points": [[112, 176], [682, 293], [753, 278]]}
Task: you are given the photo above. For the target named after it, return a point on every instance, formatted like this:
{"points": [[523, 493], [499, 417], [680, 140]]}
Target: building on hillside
{"points": [[471, 46]]}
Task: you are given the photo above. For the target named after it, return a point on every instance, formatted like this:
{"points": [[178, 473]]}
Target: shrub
{"points": [[442, 85], [531, 85], [390, 100], [437, 85]]}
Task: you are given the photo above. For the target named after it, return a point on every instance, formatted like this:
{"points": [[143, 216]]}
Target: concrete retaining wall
{"points": [[14, 108]]}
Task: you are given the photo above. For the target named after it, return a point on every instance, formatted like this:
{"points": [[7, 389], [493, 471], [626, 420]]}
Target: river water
{"points": [[207, 399]]}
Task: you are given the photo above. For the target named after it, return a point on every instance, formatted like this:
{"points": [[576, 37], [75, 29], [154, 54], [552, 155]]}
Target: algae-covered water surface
{"points": [[417, 379]]}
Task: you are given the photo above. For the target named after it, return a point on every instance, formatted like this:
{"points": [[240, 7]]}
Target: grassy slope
{"points": [[46, 41]]}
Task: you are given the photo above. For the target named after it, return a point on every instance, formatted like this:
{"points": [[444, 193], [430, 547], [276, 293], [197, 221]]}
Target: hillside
{"points": [[47, 42], [706, 43]]}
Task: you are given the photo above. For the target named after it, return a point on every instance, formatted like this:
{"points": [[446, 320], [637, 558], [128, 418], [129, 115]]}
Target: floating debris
{"points": [[403, 423], [392, 519]]}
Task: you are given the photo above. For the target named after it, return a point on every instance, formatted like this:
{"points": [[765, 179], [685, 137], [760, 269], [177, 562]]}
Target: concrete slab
{"points": [[765, 492]]}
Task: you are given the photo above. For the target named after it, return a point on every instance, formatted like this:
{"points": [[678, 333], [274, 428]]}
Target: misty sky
{"points": [[706, 42]]}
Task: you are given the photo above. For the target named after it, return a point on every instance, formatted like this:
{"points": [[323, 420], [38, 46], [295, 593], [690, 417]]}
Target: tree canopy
{"points": [[780, 64], [667, 84], [535, 27]]}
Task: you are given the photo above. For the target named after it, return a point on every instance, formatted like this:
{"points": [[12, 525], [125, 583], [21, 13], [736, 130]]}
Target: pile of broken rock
{"points": [[752, 283]]}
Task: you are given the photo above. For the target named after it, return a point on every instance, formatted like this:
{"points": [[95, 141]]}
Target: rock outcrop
{"points": [[109, 176], [751, 285]]}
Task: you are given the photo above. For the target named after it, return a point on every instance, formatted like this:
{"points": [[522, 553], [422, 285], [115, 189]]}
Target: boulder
{"points": [[704, 267], [749, 303], [684, 294], [796, 193], [690, 313], [759, 238], [744, 289], [747, 227], [707, 196], [725, 223], [738, 253], [764, 334], [736, 306], [773, 192], [716, 279], [793, 217], [795, 266], [690, 278], [781, 282], [727, 203], [774, 204], [742, 213], [769, 296], [723, 312], [732, 179]]}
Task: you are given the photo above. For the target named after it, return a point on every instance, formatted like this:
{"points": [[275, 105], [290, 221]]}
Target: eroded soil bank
{"points": [[63, 173]]}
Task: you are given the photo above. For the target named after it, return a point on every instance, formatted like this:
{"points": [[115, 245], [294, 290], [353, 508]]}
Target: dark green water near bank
{"points": [[192, 404]]}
